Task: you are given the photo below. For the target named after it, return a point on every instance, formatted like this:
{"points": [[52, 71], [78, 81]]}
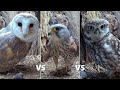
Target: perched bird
{"points": [[60, 44], [16, 40], [103, 45]]}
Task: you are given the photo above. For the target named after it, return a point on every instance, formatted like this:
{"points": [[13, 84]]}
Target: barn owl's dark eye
{"points": [[31, 25], [20, 24]]}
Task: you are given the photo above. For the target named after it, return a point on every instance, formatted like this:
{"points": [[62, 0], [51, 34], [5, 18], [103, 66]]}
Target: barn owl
{"points": [[16, 40], [60, 43], [104, 46]]}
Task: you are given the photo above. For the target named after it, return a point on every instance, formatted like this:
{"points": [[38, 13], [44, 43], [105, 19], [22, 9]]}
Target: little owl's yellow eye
{"points": [[103, 26], [91, 28]]}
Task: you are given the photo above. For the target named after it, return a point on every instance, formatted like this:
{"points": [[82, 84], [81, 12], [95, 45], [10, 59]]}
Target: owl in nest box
{"points": [[16, 40]]}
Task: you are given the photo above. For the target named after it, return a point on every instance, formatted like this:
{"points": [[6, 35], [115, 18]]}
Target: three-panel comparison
{"points": [[59, 44]]}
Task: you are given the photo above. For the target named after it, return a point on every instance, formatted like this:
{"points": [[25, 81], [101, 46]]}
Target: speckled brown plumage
{"points": [[103, 45]]}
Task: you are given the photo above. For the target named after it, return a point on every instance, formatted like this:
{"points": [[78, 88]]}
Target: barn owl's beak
{"points": [[25, 32]]}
